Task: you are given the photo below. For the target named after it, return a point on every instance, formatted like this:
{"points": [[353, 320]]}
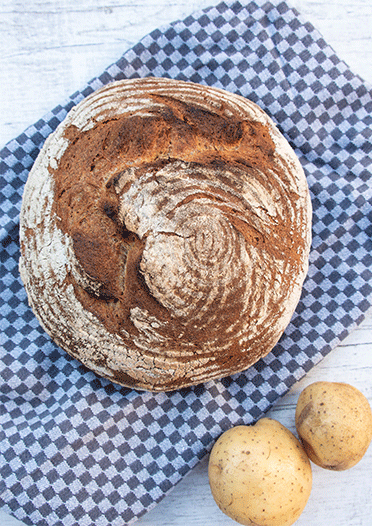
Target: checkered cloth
{"points": [[77, 449]]}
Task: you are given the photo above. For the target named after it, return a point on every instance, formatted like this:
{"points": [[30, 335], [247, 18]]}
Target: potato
{"points": [[334, 423], [260, 474]]}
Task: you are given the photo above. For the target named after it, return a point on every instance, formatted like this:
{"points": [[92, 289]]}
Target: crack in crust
{"points": [[174, 237]]}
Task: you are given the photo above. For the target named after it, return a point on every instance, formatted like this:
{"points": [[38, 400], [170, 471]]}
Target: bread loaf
{"points": [[165, 233]]}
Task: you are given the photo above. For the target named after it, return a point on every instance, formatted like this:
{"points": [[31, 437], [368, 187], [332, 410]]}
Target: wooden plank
{"points": [[50, 49]]}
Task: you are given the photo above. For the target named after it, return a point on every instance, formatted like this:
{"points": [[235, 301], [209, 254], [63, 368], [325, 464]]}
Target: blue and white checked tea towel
{"points": [[78, 450]]}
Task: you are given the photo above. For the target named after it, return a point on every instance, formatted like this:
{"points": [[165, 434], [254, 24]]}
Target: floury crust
{"points": [[165, 233]]}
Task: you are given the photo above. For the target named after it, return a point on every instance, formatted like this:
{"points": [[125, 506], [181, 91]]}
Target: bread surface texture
{"points": [[165, 233]]}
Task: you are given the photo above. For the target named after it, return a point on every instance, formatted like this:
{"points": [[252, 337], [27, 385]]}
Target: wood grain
{"points": [[48, 50]]}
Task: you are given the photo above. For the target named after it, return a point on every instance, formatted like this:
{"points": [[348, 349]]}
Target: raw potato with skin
{"points": [[334, 422], [260, 475]]}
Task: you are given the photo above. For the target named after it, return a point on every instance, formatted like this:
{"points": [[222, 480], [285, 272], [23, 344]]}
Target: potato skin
{"points": [[260, 474], [334, 423]]}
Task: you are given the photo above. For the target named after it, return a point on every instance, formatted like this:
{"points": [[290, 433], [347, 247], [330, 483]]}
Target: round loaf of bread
{"points": [[165, 233]]}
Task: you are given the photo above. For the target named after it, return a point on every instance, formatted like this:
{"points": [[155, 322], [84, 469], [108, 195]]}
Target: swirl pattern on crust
{"points": [[165, 233]]}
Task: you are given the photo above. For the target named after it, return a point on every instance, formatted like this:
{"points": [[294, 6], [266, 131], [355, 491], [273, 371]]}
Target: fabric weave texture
{"points": [[77, 449]]}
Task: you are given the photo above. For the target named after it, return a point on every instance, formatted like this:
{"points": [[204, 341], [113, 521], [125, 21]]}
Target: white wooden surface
{"points": [[50, 49]]}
